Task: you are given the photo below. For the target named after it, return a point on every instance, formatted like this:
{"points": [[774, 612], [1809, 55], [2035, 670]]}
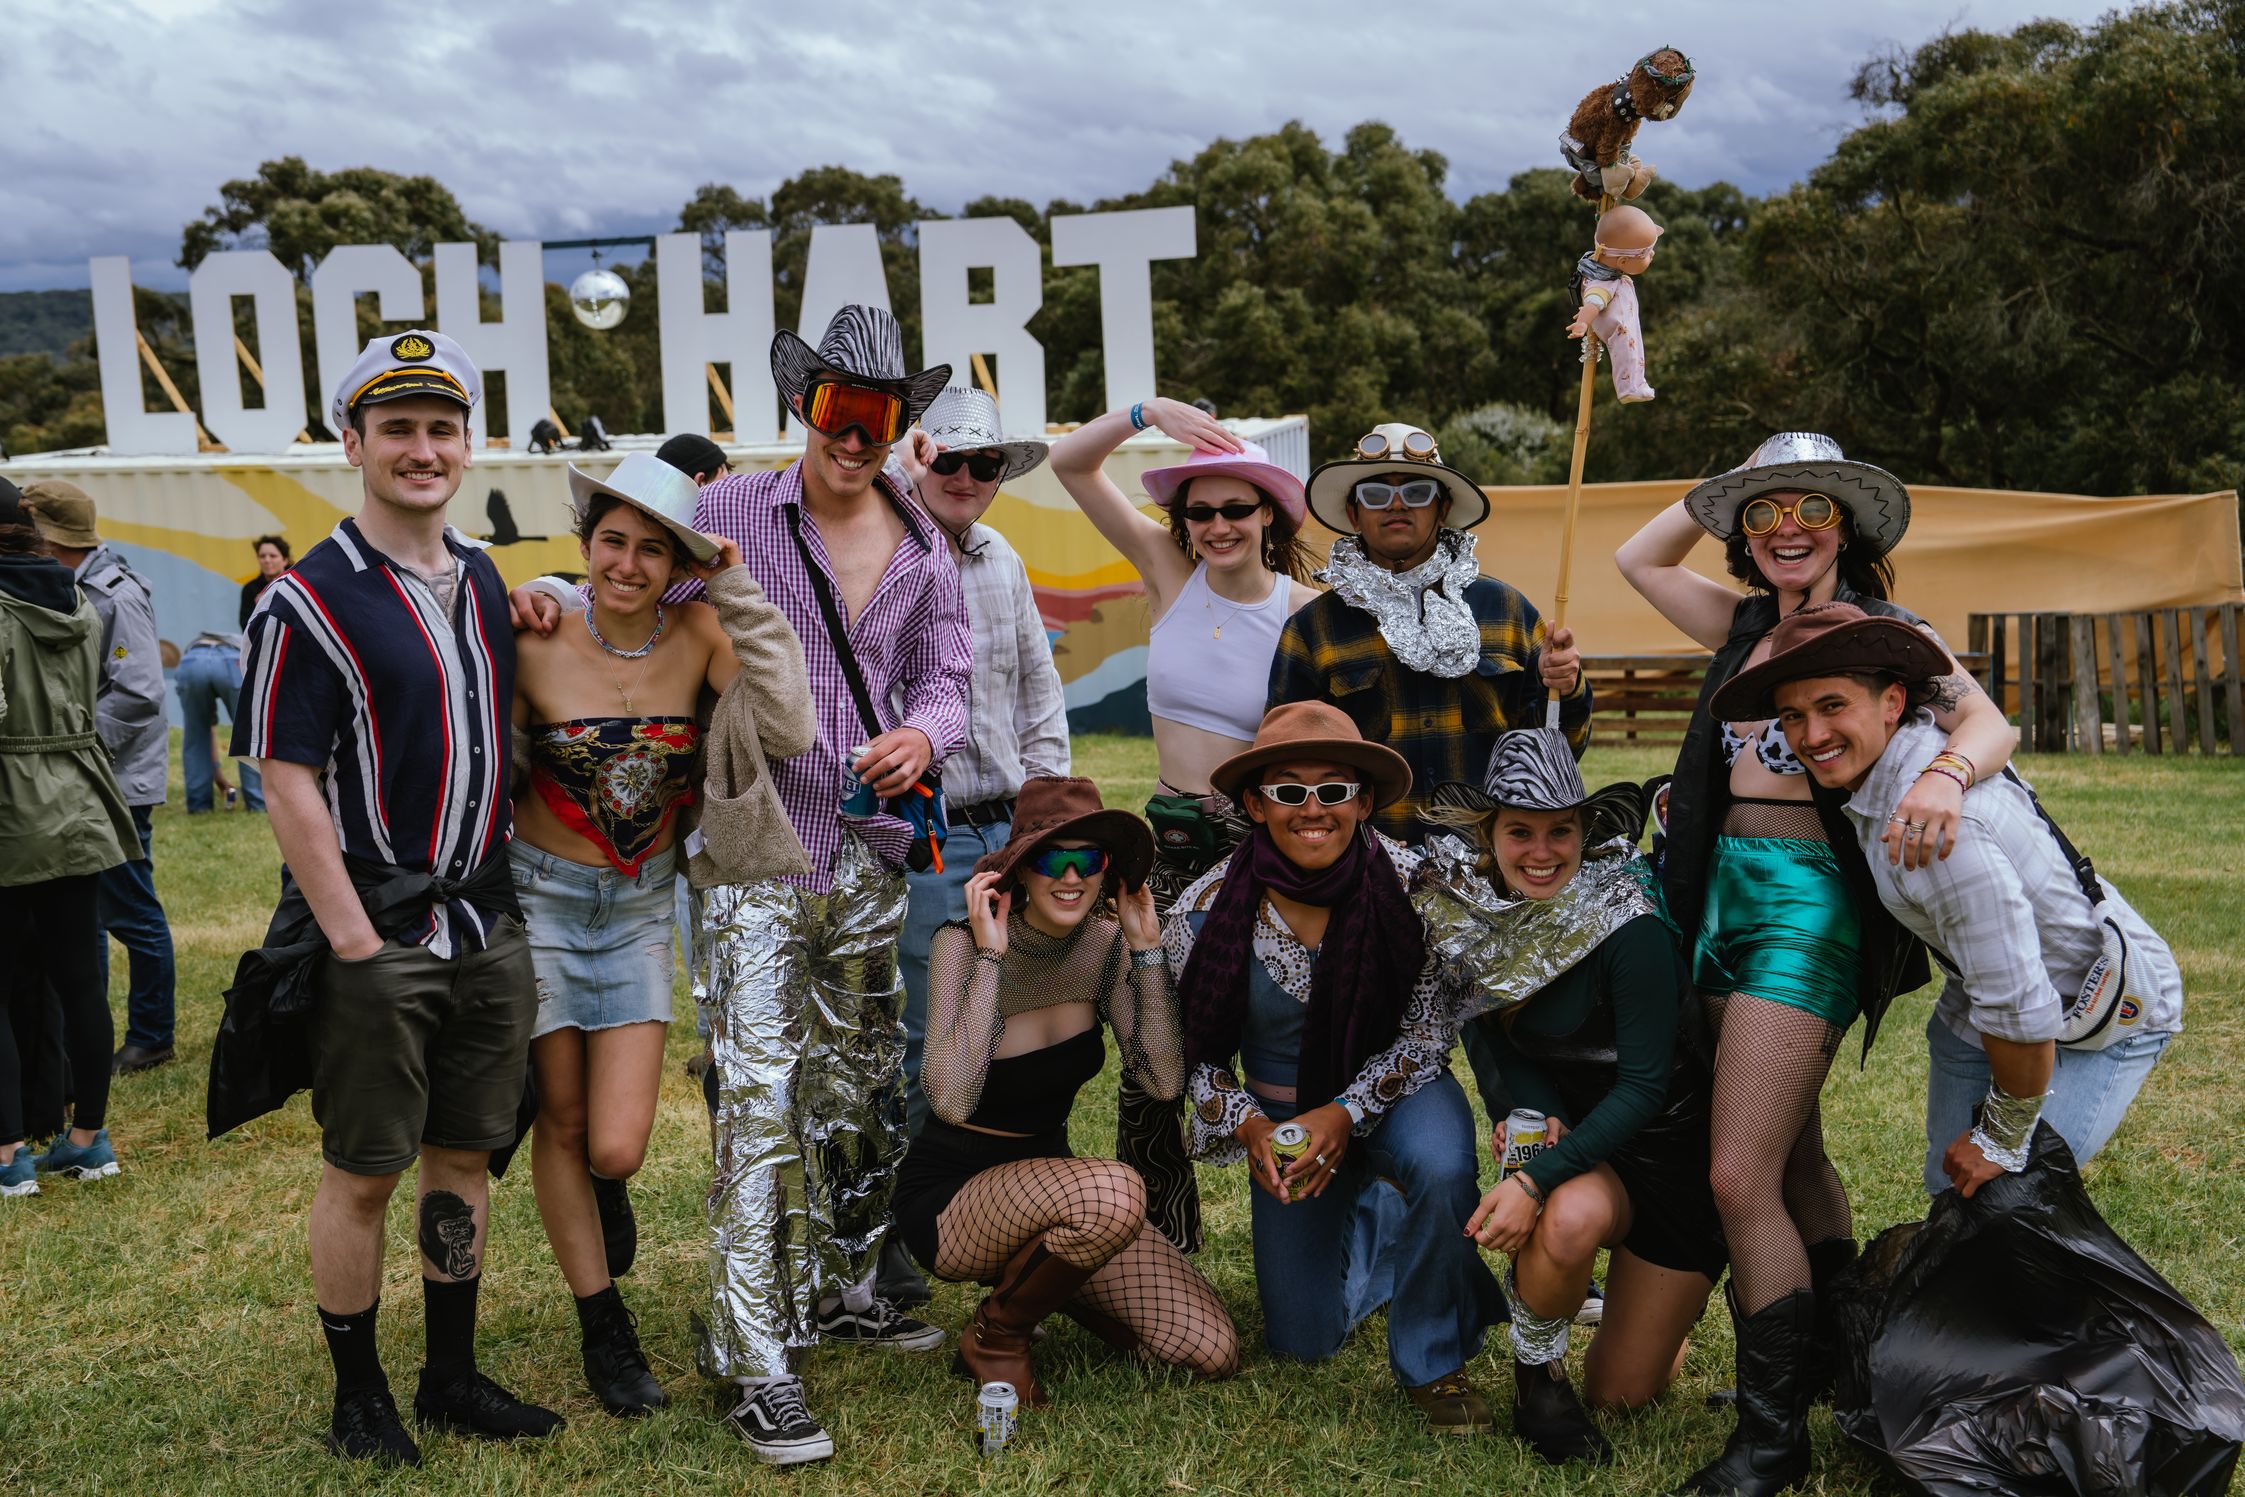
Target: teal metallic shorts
{"points": [[1779, 925]]}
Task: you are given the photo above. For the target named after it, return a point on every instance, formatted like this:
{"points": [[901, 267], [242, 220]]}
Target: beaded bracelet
{"points": [[1958, 762], [1138, 416], [1946, 773], [1528, 1185]]}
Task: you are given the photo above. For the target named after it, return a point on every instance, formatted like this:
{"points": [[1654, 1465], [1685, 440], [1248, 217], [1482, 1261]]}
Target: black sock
{"points": [[451, 1312], [350, 1342], [589, 1306]]}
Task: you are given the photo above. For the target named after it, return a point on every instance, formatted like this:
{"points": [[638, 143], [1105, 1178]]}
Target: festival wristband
{"points": [[1152, 956], [1138, 416], [1946, 773], [1534, 1192], [1355, 1110], [2007, 1127]]}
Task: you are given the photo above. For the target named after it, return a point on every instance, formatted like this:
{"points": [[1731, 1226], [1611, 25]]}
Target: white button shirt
{"points": [[1017, 713], [2003, 913]]}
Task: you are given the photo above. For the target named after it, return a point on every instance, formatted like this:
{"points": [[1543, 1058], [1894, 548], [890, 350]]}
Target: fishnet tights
{"points": [[1092, 1213], [1773, 1184]]}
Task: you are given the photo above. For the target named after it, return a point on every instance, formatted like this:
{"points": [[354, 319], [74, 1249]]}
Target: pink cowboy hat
{"points": [[1254, 465]]}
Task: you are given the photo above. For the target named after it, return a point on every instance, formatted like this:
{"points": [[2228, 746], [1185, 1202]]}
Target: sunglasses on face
{"points": [[1416, 494], [831, 407], [1054, 862], [982, 467], [1236, 511], [1331, 793], [1811, 512], [1417, 445]]}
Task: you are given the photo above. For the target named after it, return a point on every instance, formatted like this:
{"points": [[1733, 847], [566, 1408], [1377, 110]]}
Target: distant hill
{"points": [[45, 322]]}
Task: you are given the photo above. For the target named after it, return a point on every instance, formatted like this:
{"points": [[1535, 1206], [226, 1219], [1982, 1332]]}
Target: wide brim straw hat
{"points": [[864, 345], [1392, 446], [963, 420], [1251, 464], [1318, 732], [1055, 809], [1533, 769], [1877, 503], [654, 488], [1828, 639]]}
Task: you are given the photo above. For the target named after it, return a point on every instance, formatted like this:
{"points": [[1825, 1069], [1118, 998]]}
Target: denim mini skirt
{"points": [[601, 941]]}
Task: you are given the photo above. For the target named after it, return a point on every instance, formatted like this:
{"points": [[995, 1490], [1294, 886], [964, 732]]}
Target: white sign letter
{"points": [[740, 336], [348, 270], [953, 328], [515, 343], [1122, 245], [133, 428], [843, 266], [210, 298]]}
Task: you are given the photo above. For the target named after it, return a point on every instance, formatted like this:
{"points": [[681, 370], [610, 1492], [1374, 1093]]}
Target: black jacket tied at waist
{"points": [[1894, 961], [262, 1055]]}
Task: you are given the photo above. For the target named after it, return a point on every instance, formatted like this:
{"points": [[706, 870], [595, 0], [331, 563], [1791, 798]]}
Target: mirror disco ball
{"points": [[599, 298]]}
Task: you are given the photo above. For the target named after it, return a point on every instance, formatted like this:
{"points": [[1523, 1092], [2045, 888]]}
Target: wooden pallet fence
{"points": [[1649, 699], [2162, 680]]}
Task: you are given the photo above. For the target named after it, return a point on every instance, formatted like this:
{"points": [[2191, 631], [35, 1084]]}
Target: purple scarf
{"points": [[1366, 966]]}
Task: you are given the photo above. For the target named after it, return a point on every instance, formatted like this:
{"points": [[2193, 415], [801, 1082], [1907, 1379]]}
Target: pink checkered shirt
{"points": [[912, 643]]}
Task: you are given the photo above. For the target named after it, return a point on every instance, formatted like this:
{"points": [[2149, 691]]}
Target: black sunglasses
{"points": [[1236, 511], [982, 467]]}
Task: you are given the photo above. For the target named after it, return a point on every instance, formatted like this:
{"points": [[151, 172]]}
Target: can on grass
{"points": [[997, 1414], [1289, 1142], [1526, 1134]]}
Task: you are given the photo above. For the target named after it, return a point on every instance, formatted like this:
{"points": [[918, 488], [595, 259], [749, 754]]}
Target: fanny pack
{"points": [[920, 807], [2112, 997], [1183, 831]]}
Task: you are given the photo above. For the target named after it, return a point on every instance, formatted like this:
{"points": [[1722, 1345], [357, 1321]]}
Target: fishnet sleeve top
{"points": [[970, 994]]}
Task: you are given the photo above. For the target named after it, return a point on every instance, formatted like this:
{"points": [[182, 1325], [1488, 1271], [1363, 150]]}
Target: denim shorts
{"points": [[602, 941]]}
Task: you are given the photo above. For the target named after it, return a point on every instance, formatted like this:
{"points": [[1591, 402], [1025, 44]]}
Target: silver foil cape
{"points": [[806, 1028], [1423, 613], [1503, 952]]}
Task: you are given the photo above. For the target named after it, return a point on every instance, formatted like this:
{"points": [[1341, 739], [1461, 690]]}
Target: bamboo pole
{"points": [[1574, 487]]}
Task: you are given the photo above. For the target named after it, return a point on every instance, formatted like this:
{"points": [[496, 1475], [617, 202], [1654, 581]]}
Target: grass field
{"points": [[157, 1330]]}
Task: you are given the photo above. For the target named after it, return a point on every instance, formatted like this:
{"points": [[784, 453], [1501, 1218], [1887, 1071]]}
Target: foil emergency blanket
{"points": [[1503, 952], [1536, 1339], [805, 1008], [1423, 613]]}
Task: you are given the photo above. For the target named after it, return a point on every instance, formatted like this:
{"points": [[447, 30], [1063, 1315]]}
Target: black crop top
{"points": [[1031, 1093]]}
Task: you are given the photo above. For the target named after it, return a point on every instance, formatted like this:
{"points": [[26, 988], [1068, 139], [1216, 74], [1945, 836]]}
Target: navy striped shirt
{"points": [[354, 669]]}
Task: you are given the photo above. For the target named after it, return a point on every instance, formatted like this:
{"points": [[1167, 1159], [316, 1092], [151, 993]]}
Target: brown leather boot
{"points": [[1108, 1329], [994, 1347]]}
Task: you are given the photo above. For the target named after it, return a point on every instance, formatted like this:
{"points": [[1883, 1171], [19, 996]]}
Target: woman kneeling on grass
{"points": [[1060, 937], [1301, 956], [594, 862], [1588, 987]]}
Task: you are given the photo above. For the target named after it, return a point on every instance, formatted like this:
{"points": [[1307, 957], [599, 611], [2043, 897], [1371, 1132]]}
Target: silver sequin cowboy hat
{"points": [[1877, 504], [864, 345], [963, 420], [1394, 447]]}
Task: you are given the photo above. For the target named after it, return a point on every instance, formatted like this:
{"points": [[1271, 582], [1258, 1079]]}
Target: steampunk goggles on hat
{"points": [[1758, 517], [1418, 446], [831, 406]]}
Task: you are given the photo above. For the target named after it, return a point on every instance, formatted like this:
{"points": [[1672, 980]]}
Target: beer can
{"points": [[1526, 1134], [1289, 1141], [997, 1414]]}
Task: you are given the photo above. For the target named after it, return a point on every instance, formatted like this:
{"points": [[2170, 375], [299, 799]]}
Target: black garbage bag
{"points": [[2014, 1344]]}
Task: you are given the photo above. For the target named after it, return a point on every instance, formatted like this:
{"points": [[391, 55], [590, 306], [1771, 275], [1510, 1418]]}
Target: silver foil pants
{"points": [[807, 1031]]}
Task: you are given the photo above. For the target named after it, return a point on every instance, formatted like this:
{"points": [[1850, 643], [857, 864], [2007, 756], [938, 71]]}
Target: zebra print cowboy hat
{"points": [[1877, 504], [1533, 769], [863, 345]]}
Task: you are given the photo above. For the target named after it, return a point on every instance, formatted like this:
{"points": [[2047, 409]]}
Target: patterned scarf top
{"points": [[615, 781]]}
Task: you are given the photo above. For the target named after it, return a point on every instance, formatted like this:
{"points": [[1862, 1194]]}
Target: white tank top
{"points": [[1208, 659]]}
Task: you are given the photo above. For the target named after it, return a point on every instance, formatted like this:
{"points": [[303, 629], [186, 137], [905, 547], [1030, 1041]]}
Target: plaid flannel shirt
{"points": [[1331, 651]]}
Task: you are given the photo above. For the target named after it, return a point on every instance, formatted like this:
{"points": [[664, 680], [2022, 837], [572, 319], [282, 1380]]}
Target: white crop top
{"points": [[1208, 659]]}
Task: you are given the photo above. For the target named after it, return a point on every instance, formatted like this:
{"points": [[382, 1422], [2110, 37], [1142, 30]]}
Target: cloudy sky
{"points": [[571, 118]]}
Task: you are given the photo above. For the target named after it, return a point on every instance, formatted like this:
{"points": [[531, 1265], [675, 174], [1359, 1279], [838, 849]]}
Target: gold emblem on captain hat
{"points": [[412, 348]]}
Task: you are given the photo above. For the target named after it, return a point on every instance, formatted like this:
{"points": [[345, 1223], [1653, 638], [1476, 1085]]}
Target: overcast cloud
{"points": [[571, 118]]}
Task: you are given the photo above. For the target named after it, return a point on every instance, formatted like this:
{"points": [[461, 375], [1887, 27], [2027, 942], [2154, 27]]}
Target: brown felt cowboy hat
{"points": [[1052, 809], [1829, 639], [1301, 731]]}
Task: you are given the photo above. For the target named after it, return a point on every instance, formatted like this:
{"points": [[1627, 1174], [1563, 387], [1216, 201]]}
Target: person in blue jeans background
{"points": [[209, 676], [129, 719], [1289, 955]]}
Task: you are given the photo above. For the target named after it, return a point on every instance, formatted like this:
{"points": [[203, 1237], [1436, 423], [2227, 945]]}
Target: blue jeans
{"points": [[2089, 1092], [1389, 1229], [128, 909], [208, 676], [930, 900]]}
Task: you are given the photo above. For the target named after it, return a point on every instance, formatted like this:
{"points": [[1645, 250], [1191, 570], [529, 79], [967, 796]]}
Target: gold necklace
{"points": [[636, 682], [1208, 606]]}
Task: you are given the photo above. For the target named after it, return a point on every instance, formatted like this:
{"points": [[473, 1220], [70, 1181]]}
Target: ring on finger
{"points": [[1321, 1159]]}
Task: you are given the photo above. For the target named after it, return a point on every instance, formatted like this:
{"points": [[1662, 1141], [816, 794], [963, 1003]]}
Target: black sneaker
{"points": [[878, 1324], [615, 1367], [366, 1427], [468, 1403], [619, 1229], [776, 1425]]}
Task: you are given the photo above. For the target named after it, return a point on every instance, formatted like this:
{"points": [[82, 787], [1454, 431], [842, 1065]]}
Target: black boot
{"points": [[1546, 1414], [619, 1227], [1768, 1449], [1827, 1260], [896, 1278], [615, 1367]]}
